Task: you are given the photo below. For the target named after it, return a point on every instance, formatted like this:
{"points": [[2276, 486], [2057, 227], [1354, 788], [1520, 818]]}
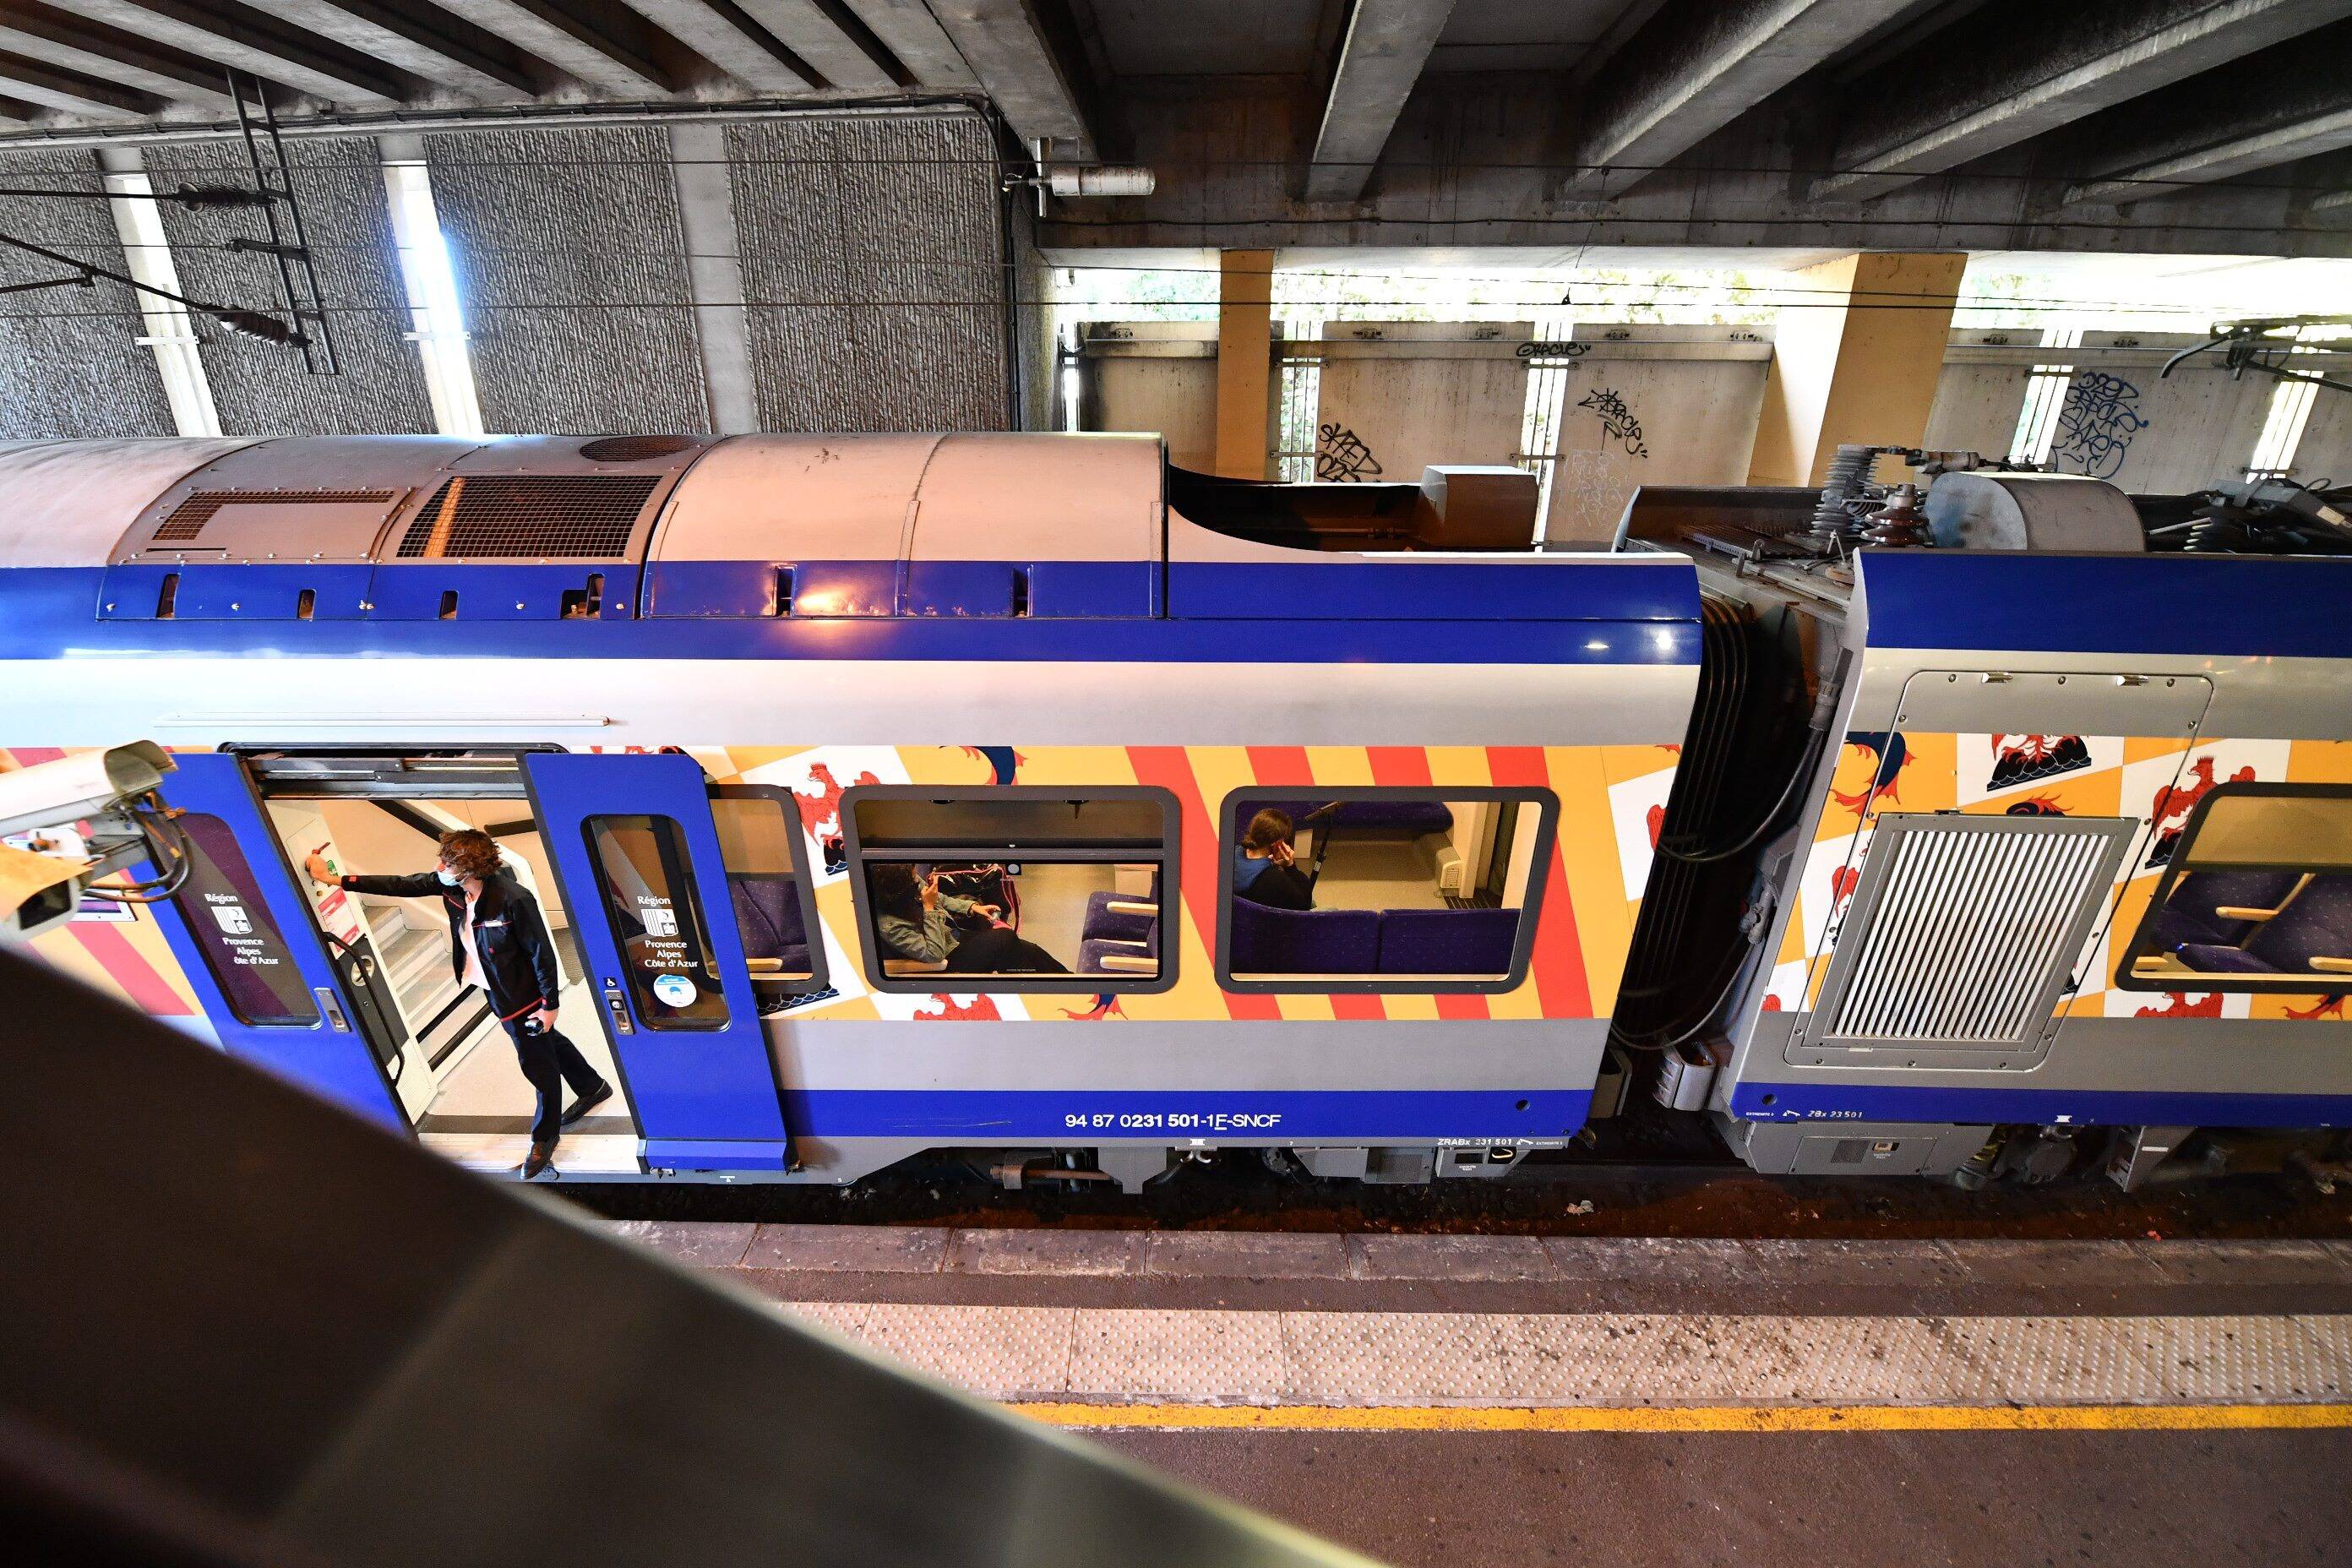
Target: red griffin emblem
{"points": [[2023, 758], [978, 1007], [1885, 779], [821, 812], [2169, 811], [2177, 1005]]}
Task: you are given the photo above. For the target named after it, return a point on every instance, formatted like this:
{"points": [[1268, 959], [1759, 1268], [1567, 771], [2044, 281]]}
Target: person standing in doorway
{"points": [[499, 944]]}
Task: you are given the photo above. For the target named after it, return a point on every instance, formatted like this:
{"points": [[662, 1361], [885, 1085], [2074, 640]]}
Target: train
{"points": [[894, 795]]}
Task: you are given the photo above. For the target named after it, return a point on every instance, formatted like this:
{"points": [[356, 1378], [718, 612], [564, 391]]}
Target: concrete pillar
{"points": [[1245, 361], [714, 269], [1856, 361]]}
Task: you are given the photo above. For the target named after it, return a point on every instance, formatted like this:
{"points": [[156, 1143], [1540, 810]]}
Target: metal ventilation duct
{"points": [[1964, 932]]}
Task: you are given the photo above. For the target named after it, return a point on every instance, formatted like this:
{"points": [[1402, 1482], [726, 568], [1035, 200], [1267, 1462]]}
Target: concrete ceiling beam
{"points": [[1387, 44], [412, 39], [910, 31], [829, 37], [251, 42], [1004, 43], [565, 36], [36, 83], [2283, 103], [1695, 67], [117, 57], [740, 52], [2005, 74]]}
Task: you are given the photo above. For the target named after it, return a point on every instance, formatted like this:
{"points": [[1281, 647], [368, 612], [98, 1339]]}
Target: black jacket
{"points": [[518, 956]]}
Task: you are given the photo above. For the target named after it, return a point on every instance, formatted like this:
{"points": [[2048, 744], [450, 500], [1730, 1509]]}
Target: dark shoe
{"points": [[588, 1102], [542, 1158]]}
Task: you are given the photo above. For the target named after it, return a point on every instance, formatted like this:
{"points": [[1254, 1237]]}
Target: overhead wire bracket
{"points": [[297, 276]]}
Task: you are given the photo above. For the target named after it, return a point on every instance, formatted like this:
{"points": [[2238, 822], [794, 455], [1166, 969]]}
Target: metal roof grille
{"points": [[580, 515], [188, 518], [635, 448], [1964, 930]]}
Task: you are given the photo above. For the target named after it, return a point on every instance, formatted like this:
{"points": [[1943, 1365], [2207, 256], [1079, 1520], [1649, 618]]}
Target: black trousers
{"points": [[996, 950], [549, 1061]]}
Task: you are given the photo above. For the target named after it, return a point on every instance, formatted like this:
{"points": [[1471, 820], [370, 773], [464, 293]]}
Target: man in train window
{"points": [[499, 944], [1265, 871]]}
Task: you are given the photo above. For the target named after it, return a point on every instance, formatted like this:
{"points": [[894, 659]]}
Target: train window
{"points": [[1014, 889], [647, 886], [1381, 889], [763, 846], [242, 944], [2257, 895]]}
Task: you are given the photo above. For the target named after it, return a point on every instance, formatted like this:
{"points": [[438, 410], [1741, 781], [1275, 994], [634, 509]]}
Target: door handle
{"points": [[332, 1007]]}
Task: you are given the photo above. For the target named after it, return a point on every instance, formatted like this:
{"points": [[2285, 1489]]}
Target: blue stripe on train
{"points": [[1075, 1116], [1827, 1104], [2229, 605], [47, 613]]}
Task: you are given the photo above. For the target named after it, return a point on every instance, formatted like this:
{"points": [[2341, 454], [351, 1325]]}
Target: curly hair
{"points": [[470, 852]]}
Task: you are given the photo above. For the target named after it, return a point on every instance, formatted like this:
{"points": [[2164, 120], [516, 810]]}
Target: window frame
{"points": [[2178, 868], [818, 980], [1170, 858], [1229, 819]]}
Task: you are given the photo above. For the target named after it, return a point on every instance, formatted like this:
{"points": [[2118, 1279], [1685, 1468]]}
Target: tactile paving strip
{"points": [[1605, 1359]]}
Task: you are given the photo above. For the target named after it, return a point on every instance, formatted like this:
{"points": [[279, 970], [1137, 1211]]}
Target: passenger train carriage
{"points": [[1877, 858], [705, 692]]}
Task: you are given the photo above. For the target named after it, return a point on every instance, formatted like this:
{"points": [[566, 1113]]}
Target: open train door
{"points": [[261, 970], [632, 839]]}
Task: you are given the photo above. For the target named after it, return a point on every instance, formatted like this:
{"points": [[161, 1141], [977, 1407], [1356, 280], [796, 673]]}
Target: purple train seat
{"points": [[2315, 923], [1267, 941], [1447, 941], [768, 914], [2192, 914]]}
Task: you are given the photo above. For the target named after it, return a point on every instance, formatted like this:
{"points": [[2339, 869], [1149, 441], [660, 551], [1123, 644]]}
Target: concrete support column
{"points": [[714, 269], [1855, 361], [1245, 361]]}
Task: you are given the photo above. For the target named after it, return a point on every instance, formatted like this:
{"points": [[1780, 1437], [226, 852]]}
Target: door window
{"points": [[241, 942], [647, 887]]}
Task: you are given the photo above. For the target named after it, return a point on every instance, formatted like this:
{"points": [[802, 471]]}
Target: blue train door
{"points": [[253, 955], [632, 839]]}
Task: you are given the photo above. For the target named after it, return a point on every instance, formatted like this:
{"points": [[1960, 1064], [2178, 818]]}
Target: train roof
{"points": [[811, 526]]}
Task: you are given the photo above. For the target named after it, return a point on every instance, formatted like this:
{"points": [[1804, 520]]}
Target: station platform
{"points": [[1538, 1398]]}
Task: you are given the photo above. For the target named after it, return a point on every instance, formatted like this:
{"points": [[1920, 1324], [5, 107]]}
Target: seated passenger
{"points": [[916, 921], [1264, 869]]}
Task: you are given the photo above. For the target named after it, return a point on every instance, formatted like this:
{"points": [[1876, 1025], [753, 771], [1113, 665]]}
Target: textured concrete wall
{"points": [[70, 362], [1395, 414], [1628, 420], [261, 388], [873, 259], [2326, 450], [2184, 432], [571, 265], [1976, 407]]}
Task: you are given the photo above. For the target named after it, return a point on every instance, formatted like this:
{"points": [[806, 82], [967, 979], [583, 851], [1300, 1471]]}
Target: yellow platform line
{"points": [[1690, 1418]]}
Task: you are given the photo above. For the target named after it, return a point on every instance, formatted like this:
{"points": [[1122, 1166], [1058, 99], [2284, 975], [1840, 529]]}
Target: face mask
{"points": [[448, 879]]}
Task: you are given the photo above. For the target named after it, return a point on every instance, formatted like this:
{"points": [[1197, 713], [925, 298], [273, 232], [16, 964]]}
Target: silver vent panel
{"points": [[1963, 933]]}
